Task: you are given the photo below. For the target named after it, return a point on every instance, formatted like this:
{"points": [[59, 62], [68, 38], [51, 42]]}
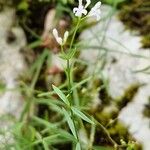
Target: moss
{"points": [[110, 107], [146, 111], [2, 87], [127, 96], [119, 133], [104, 95], [146, 41], [136, 16], [107, 114]]}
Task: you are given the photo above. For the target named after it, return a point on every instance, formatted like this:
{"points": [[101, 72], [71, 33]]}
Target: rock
{"points": [[12, 65], [132, 116], [120, 57]]}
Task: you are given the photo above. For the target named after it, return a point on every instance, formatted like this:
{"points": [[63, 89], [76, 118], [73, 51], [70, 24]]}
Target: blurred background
{"points": [[111, 71]]}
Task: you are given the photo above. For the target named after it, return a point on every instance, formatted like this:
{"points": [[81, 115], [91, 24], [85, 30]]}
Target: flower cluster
{"points": [[81, 10], [60, 41]]}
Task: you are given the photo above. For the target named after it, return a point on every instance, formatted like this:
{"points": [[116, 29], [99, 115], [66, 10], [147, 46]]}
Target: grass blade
{"points": [[61, 95], [81, 115], [54, 128], [78, 147], [70, 122]]}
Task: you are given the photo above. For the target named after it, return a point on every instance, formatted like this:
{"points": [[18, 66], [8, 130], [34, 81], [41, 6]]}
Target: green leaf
{"points": [[70, 122], [54, 128], [23, 5], [52, 103], [46, 141], [61, 95], [101, 148], [63, 56], [34, 44], [64, 1], [49, 139], [81, 83], [71, 53], [81, 115], [112, 2], [78, 147]]}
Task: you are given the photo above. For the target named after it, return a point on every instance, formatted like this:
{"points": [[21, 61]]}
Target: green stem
{"points": [[69, 88], [62, 49], [68, 60], [68, 72], [107, 133], [74, 34], [29, 106], [69, 75]]}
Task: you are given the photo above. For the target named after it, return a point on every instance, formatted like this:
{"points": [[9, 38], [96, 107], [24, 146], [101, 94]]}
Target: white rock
{"points": [[12, 65], [124, 47], [132, 116]]}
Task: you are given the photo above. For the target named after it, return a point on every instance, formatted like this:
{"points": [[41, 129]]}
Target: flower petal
{"points": [[88, 2], [75, 10], [55, 33], [65, 37], [84, 11], [95, 11], [80, 3], [59, 40], [98, 5]]}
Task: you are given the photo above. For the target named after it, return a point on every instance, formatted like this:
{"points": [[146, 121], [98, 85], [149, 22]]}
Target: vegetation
{"points": [[59, 113], [136, 15]]}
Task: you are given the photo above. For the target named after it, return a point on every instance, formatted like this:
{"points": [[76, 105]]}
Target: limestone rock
{"points": [[12, 65], [120, 51]]}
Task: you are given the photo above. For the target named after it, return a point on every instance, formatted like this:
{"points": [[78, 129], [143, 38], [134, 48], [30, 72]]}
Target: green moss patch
{"points": [[136, 16]]}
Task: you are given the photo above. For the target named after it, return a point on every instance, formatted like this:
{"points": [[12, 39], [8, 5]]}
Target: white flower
{"points": [[88, 2], [78, 11], [65, 37], [95, 11], [59, 39]]}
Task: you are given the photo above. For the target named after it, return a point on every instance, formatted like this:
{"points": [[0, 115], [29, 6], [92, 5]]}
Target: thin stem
{"points": [[62, 49], [69, 75], [101, 43], [92, 134], [29, 107], [74, 34], [72, 116], [69, 89], [108, 135], [68, 72]]}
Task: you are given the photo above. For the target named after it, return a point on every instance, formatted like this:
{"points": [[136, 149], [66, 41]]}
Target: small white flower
{"points": [[95, 11], [78, 11], [66, 36], [59, 39], [88, 2]]}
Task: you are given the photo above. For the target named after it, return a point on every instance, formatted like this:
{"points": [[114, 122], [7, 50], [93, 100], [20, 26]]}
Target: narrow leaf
{"points": [[71, 53], [45, 145], [78, 147], [101, 148], [54, 128], [70, 122], [81, 83], [81, 115], [63, 56], [61, 95]]}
